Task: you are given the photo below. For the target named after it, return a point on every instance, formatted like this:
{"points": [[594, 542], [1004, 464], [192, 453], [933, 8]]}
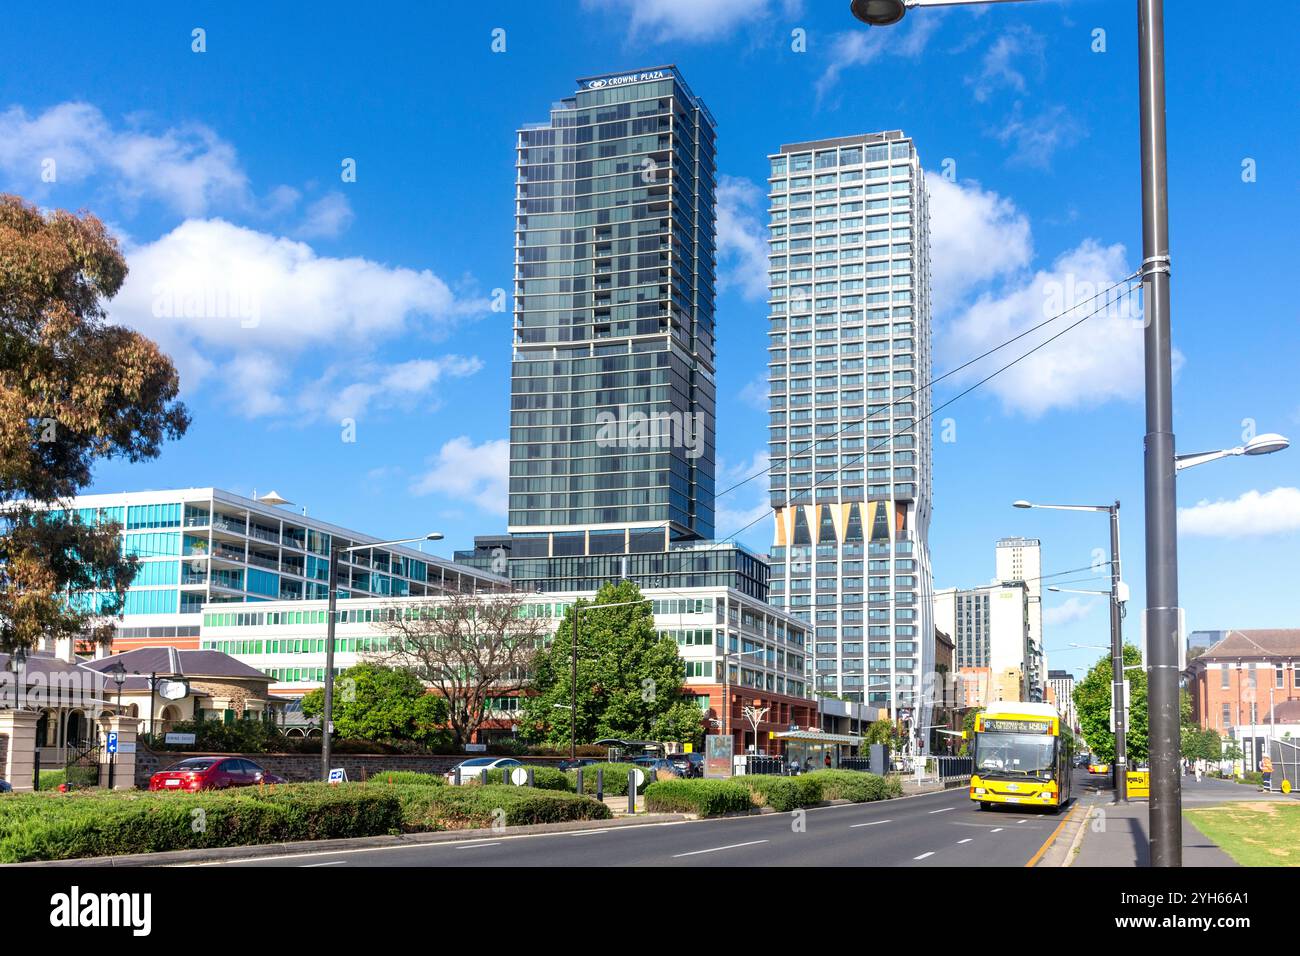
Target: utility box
{"points": [[879, 759]]}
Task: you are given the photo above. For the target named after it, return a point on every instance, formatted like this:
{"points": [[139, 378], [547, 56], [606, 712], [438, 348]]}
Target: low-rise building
{"points": [[1245, 682], [765, 649]]}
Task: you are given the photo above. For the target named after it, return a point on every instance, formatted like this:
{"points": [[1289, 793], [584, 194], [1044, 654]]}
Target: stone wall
{"points": [[303, 768]]}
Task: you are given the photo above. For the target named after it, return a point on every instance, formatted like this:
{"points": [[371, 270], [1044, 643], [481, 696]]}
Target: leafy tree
{"points": [[630, 680], [878, 732], [372, 702], [74, 390], [1092, 703]]}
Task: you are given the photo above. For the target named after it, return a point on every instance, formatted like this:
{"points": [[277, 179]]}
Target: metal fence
{"points": [[1286, 765], [952, 768], [856, 763], [766, 764]]}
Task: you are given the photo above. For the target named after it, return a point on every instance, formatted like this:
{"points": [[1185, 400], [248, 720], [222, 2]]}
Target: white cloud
{"points": [[1002, 67], [742, 237], [755, 392], [326, 218], [1098, 361], [397, 385], [1036, 139], [1252, 514], [975, 235], [464, 472], [861, 47], [1068, 611], [693, 21], [255, 306], [188, 168]]}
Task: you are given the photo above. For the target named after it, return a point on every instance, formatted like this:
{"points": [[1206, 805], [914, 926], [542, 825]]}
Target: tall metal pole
{"points": [[573, 686], [327, 718], [1120, 768], [1161, 501]]}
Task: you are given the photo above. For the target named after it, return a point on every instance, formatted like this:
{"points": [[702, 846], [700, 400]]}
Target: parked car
{"points": [[653, 766], [212, 773], [5, 787], [1099, 768], [471, 771], [575, 764], [691, 765]]}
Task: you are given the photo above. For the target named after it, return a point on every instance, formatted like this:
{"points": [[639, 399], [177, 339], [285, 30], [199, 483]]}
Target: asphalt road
{"points": [[938, 829]]}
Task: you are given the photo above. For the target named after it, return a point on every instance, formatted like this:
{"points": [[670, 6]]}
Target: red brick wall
{"points": [[1209, 695]]}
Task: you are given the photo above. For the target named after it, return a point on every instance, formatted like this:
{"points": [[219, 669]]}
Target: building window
{"points": [[1224, 676], [1226, 717], [1279, 677]]}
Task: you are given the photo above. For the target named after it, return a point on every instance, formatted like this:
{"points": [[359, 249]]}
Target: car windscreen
{"points": [[478, 762], [197, 763]]}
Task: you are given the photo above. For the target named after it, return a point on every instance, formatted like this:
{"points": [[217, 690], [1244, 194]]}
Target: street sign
{"points": [[110, 743], [179, 739], [476, 748], [639, 776], [338, 776], [126, 747], [519, 776]]}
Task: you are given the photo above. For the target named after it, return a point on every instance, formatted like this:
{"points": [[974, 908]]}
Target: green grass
{"points": [[1253, 834]]}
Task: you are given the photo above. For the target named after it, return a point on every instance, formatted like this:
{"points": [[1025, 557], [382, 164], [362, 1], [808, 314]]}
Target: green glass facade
{"points": [[612, 384]]}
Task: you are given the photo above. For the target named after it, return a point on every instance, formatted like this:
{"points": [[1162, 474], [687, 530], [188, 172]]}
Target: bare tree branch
{"points": [[468, 648]]}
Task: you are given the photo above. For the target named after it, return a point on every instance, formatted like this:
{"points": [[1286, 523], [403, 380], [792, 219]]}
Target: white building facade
{"points": [[850, 434]]}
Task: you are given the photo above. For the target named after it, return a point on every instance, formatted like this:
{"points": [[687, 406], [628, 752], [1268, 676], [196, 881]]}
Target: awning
{"points": [[818, 737]]}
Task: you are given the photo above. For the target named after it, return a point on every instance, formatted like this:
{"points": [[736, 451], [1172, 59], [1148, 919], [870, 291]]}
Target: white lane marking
{"points": [[308, 866], [873, 823], [715, 849], [475, 846], [944, 810], [998, 830], [1022, 821], [923, 855], [967, 840]]}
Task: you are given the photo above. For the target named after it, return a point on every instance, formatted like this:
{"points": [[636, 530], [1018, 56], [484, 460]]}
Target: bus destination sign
{"points": [[1003, 726]]}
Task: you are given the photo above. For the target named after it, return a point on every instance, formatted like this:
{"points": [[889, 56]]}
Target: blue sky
{"points": [[372, 301]]}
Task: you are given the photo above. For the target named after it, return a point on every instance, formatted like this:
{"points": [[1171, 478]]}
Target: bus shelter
{"points": [[817, 749]]}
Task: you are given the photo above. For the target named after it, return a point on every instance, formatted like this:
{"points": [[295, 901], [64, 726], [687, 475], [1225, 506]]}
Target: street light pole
{"points": [[1160, 469], [1117, 665], [332, 590]]}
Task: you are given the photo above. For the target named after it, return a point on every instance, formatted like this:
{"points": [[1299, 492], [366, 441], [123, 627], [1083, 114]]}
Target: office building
{"points": [[765, 648], [201, 546], [1021, 559], [990, 628], [1062, 684], [850, 442], [612, 379]]}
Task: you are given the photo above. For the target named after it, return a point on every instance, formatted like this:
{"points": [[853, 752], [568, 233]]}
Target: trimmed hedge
{"points": [[615, 779], [407, 777], [544, 778], [783, 793], [708, 798], [42, 826], [458, 808], [51, 826], [852, 785]]}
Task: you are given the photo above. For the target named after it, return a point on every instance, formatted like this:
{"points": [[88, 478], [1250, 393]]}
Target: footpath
{"points": [[1102, 832]]}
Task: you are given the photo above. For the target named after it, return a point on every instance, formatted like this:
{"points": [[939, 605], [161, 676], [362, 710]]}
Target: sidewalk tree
{"points": [[1092, 703], [373, 702], [74, 390], [630, 680], [469, 648]]}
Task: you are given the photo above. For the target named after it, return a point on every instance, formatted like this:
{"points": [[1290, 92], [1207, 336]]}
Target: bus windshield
{"points": [[1015, 755]]}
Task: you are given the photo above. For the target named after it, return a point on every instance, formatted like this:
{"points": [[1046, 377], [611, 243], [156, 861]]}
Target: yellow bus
{"points": [[1021, 756]]}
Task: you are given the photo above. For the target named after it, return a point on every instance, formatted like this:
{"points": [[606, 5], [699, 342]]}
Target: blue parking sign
{"points": [[112, 743]]}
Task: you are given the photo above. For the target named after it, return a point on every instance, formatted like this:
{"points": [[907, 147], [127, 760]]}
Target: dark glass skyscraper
{"points": [[612, 382]]}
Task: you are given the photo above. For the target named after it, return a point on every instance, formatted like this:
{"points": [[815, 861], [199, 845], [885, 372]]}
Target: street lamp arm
{"points": [[1201, 457]]}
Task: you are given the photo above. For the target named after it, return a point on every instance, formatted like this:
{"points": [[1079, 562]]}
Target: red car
{"points": [[211, 773]]}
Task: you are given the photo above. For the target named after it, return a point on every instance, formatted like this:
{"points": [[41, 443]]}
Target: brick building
{"points": [[1240, 679]]}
